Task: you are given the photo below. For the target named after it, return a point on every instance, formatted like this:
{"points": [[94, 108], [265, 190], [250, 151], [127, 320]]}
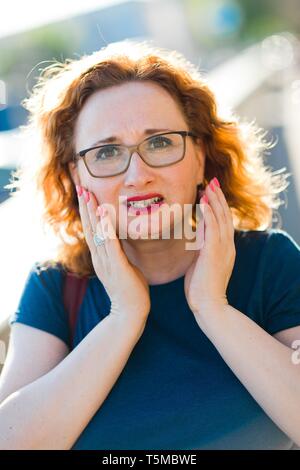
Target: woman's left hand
{"points": [[206, 280]]}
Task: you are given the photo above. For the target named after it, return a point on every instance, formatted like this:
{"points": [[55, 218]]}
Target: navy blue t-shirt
{"points": [[176, 391]]}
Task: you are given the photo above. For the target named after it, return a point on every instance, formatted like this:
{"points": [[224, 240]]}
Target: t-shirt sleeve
{"points": [[41, 302], [282, 282]]}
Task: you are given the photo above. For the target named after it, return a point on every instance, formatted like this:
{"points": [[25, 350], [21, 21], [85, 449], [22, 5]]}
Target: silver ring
{"points": [[98, 240]]}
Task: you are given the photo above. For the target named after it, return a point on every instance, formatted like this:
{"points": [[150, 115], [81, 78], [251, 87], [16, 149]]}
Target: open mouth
{"points": [[144, 206], [145, 202]]}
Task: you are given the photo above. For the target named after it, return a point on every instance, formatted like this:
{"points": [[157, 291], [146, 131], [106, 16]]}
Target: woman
{"points": [[176, 347]]}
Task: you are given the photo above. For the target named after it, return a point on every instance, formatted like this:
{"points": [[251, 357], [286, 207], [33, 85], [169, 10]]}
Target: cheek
{"points": [[100, 193], [182, 179], [104, 192]]}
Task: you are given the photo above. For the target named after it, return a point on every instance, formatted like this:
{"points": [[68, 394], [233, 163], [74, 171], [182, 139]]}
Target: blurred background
{"points": [[248, 50]]}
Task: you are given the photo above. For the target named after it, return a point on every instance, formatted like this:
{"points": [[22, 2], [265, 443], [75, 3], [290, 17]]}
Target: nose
{"points": [[138, 172]]}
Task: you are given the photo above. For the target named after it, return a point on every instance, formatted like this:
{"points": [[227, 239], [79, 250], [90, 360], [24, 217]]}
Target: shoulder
{"points": [[266, 278], [47, 267], [273, 241], [41, 301], [45, 275], [272, 256], [267, 256]]}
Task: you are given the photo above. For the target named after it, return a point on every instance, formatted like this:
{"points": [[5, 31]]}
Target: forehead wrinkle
{"points": [[145, 133], [134, 113]]}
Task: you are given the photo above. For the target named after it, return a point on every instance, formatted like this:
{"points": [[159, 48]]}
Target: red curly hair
{"points": [[234, 151]]}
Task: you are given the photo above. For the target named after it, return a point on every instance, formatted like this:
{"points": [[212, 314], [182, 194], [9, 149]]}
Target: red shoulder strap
{"points": [[74, 290]]}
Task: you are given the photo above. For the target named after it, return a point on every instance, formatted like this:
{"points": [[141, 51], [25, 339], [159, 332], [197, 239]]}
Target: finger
{"points": [[229, 223], [96, 225], [85, 219], [97, 228], [211, 226], [200, 228], [226, 209], [106, 227], [217, 209], [92, 205], [101, 249]]}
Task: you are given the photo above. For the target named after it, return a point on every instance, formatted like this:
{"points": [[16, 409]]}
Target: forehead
{"points": [[126, 110]]}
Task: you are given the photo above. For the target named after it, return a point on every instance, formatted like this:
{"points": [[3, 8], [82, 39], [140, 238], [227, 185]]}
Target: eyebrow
{"points": [[113, 138]]}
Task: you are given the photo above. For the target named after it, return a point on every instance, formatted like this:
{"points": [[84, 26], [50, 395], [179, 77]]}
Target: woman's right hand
{"points": [[125, 285]]}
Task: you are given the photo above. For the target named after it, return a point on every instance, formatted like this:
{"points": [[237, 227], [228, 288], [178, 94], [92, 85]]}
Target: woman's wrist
{"points": [[210, 305], [132, 322]]}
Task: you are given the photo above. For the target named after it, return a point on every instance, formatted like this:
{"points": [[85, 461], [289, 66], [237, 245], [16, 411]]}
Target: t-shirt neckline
{"points": [[168, 284]]}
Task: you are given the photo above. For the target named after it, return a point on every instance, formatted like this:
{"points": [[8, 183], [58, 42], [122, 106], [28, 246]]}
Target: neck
{"points": [[160, 261]]}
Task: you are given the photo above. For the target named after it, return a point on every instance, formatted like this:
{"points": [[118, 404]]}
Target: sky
{"points": [[17, 16]]}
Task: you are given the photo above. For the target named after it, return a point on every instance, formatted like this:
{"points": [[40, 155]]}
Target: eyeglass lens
{"points": [[160, 150]]}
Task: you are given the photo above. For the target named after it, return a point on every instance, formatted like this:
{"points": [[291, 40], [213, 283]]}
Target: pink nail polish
{"points": [[79, 190], [86, 196], [211, 185], [204, 199], [216, 182]]}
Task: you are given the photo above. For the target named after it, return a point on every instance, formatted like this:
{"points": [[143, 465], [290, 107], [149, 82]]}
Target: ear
{"points": [[73, 168]]}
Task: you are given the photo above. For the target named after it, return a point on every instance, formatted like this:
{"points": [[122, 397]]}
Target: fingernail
{"points": [[86, 196], [216, 182], [211, 185], [79, 190], [204, 199]]}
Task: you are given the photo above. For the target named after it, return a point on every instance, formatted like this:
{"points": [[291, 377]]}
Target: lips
{"points": [[144, 196]]}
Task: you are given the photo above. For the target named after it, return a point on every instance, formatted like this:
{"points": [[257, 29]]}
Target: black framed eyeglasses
{"points": [[158, 150]]}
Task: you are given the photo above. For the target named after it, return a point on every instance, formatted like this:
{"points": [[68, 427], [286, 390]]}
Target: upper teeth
{"points": [[144, 202]]}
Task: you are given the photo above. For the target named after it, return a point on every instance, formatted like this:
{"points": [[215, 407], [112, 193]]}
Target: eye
{"points": [[159, 142], [107, 152]]}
